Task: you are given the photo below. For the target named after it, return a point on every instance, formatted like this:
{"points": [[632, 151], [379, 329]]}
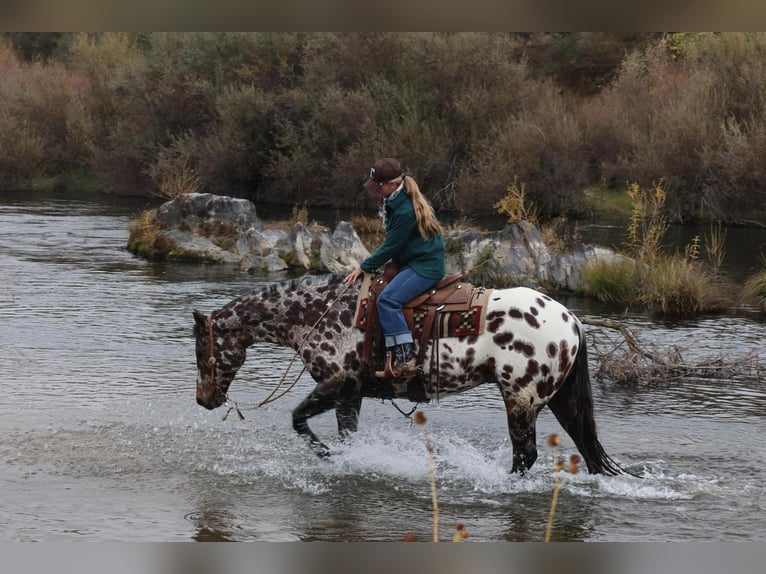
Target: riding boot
{"points": [[400, 362]]}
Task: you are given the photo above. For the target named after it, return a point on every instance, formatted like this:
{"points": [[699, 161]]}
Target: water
{"points": [[101, 438]]}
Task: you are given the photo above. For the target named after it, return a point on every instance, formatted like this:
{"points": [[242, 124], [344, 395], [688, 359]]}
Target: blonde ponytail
{"points": [[428, 226]]}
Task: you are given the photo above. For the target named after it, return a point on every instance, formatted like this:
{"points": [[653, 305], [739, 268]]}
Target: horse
{"points": [[532, 348]]}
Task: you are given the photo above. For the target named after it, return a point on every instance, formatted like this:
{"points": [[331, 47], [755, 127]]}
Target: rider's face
{"points": [[386, 189]]}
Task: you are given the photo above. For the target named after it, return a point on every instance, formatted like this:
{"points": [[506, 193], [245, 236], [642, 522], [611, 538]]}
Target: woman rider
{"points": [[415, 240]]}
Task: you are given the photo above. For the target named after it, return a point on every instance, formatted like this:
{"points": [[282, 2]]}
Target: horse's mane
{"points": [[311, 281], [298, 282]]}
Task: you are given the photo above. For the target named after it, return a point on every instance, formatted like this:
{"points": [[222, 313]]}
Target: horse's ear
{"points": [[200, 318]]}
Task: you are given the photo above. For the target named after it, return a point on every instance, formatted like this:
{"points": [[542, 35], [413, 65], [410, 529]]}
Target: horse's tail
{"points": [[573, 407]]}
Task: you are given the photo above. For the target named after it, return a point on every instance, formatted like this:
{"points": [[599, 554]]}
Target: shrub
{"points": [[755, 290], [173, 172], [679, 287], [146, 237], [609, 281]]}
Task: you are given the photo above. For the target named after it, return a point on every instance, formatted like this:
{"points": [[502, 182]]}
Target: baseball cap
{"points": [[383, 170]]}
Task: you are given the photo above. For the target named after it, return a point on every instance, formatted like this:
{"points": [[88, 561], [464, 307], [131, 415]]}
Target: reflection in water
{"points": [[211, 527], [101, 438]]}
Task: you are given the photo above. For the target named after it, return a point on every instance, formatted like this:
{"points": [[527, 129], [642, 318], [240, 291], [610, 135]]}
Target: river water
{"points": [[101, 438]]}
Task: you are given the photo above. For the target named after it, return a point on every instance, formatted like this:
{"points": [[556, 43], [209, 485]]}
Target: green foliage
{"points": [[298, 117]]}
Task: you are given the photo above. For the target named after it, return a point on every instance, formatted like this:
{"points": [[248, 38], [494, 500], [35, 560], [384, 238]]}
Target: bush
{"points": [[755, 290], [612, 281]]}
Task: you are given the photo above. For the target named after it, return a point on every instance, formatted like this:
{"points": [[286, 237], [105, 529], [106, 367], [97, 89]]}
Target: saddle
{"points": [[450, 308]]}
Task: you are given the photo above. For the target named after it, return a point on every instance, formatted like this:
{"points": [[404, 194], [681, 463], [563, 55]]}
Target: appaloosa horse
{"points": [[531, 347]]}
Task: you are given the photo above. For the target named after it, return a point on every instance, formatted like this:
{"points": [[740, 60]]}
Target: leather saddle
{"points": [[449, 294]]}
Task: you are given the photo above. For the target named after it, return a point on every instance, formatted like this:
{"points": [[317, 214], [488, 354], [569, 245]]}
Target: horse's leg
{"points": [[321, 399], [521, 426], [347, 414]]}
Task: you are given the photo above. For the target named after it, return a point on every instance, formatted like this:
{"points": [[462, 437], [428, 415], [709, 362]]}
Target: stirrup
{"points": [[406, 370]]}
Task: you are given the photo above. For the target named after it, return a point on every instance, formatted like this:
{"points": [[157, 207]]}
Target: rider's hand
{"points": [[351, 277]]}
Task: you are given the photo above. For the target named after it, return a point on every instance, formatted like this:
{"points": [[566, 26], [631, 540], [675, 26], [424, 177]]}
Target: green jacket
{"points": [[404, 243]]}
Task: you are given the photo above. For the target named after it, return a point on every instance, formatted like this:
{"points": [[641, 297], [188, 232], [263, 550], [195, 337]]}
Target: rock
{"points": [[343, 250], [220, 229], [564, 270], [517, 249], [191, 209]]}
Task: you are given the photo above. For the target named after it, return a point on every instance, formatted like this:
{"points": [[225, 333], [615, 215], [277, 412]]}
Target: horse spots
{"points": [[544, 389], [564, 362], [526, 349], [540, 302], [534, 311], [531, 321], [467, 363], [346, 318], [495, 320], [522, 382], [294, 312], [533, 369], [503, 339], [327, 348], [565, 317], [551, 349], [515, 313]]}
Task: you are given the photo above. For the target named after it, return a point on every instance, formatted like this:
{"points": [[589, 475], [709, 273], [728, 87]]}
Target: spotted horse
{"points": [[531, 347]]}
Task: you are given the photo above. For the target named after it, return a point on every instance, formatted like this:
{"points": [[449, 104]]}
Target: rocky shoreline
{"points": [[219, 229]]}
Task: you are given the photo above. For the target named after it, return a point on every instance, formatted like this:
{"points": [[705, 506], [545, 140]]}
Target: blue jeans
{"points": [[405, 286]]}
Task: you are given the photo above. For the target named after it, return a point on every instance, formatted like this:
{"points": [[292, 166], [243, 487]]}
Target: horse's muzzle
{"points": [[210, 400]]}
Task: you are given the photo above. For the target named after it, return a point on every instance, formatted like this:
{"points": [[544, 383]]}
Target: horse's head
{"points": [[220, 353]]}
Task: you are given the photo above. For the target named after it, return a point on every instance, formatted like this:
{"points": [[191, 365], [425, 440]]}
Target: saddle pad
{"points": [[455, 323]]}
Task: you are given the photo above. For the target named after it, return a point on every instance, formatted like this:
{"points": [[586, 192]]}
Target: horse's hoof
{"points": [[321, 451]]}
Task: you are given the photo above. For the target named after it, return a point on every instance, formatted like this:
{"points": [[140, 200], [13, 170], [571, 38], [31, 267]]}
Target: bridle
{"points": [[211, 362], [211, 355]]}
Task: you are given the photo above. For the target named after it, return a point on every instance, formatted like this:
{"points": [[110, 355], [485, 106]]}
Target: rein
{"points": [[271, 398]]}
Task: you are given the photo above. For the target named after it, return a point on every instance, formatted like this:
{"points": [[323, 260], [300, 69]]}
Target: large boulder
{"points": [[517, 249], [191, 210]]}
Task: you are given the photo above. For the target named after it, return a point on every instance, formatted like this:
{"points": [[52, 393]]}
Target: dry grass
{"points": [[673, 285], [755, 290], [419, 418], [369, 229], [146, 236], [559, 480]]}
